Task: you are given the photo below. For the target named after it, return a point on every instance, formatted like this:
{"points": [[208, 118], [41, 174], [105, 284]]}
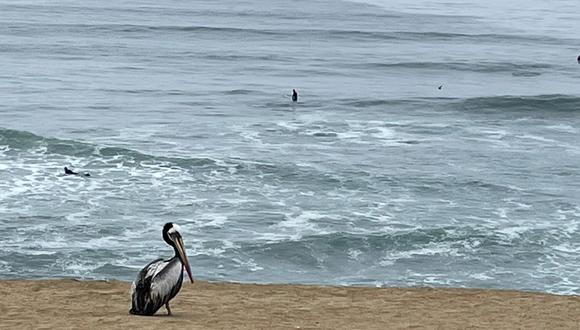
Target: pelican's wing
{"points": [[146, 274], [141, 289]]}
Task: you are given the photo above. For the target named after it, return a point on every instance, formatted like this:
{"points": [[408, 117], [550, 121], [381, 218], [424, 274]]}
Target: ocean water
{"points": [[181, 112]]}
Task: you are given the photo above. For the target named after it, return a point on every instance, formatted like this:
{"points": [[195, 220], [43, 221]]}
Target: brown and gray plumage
{"points": [[160, 281]]}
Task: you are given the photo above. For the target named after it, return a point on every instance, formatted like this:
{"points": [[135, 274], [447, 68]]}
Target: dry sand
{"points": [[65, 304]]}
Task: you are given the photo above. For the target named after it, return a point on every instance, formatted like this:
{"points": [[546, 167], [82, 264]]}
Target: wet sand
{"points": [[66, 304]]}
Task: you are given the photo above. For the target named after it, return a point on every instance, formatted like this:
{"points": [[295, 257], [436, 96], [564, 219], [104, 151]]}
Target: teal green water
{"points": [[181, 112]]}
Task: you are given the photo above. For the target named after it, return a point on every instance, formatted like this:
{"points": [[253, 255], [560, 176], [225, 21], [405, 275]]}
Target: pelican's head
{"points": [[172, 235]]}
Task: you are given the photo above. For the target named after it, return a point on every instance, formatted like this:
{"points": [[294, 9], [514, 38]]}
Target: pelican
{"points": [[160, 281]]}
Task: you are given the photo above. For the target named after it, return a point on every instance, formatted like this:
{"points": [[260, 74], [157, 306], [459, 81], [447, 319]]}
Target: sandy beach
{"points": [[64, 304]]}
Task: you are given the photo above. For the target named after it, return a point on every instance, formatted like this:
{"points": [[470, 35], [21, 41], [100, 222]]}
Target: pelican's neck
{"points": [[176, 255]]}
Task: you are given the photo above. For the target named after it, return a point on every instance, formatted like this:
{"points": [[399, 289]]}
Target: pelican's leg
{"points": [[168, 309]]}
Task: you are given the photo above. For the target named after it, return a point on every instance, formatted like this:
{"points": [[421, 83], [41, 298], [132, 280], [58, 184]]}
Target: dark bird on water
{"points": [[294, 96], [160, 281], [440, 86], [578, 59], [68, 171]]}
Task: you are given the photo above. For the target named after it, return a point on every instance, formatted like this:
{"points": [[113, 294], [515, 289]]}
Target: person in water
{"points": [[68, 171], [294, 96]]}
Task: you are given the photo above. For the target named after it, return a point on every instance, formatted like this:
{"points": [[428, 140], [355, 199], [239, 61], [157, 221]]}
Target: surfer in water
{"points": [[68, 171], [294, 96]]}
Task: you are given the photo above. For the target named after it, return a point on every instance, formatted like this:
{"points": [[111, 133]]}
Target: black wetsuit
{"points": [[68, 171]]}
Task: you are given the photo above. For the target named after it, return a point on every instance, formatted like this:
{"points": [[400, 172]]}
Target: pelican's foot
{"points": [[168, 309]]}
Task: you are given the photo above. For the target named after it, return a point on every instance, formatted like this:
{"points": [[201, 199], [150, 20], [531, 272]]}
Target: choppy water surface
{"points": [[181, 112]]}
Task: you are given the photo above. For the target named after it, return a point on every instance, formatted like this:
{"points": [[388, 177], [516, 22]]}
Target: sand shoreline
{"points": [[68, 303]]}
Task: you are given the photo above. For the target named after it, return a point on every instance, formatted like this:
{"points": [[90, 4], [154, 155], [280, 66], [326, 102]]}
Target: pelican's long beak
{"points": [[183, 256]]}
